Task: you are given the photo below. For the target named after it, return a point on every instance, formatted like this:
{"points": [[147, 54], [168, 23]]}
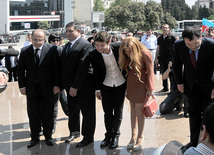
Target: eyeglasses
{"points": [[54, 40], [38, 40]]}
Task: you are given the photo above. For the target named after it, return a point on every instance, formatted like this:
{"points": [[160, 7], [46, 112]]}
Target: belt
{"points": [[151, 49]]}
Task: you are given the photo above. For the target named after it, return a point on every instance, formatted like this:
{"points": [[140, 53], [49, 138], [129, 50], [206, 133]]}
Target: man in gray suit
{"points": [[38, 79], [77, 80]]}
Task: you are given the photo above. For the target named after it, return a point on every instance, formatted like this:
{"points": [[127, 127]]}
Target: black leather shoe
{"points": [[72, 137], [185, 147], [105, 142], [50, 142], [114, 143], [32, 143], [186, 114], [84, 143]]}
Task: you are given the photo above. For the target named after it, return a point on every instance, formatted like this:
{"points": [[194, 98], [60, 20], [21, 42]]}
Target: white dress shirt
{"points": [[114, 76], [150, 43]]}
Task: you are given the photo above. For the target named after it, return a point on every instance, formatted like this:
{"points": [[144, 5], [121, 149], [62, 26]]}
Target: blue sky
{"points": [[189, 2]]}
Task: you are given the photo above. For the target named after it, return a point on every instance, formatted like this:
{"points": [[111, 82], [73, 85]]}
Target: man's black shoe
{"points": [[84, 143], [163, 90], [105, 142], [32, 143], [114, 143], [185, 147], [50, 142], [72, 137], [186, 114]]}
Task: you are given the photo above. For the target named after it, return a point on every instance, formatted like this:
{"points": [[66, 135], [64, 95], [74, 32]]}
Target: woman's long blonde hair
{"points": [[135, 55]]}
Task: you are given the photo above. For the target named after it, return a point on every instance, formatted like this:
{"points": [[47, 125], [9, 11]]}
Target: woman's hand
{"points": [[148, 93]]}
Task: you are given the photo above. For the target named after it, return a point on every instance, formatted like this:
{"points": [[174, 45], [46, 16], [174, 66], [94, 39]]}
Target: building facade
{"points": [[207, 3], [18, 15]]}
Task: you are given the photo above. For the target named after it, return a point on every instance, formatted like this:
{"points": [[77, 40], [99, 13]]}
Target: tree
{"points": [[171, 21], [177, 8], [204, 12], [126, 16], [98, 5], [137, 16], [119, 2], [43, 25]]}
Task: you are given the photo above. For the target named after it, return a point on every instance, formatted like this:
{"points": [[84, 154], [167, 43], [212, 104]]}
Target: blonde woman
{"points": [[137, 61]]}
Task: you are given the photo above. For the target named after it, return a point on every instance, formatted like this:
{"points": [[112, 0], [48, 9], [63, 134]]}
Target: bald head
{"points": [[38, 38]]}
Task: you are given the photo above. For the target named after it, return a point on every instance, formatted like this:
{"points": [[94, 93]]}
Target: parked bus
{"points": [[187, 23]]}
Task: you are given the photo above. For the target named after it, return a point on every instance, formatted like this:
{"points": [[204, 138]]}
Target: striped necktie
{"points": [[193, 59], [36, 57]]}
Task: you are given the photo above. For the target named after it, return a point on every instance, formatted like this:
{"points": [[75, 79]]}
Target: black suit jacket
{"points": [[46, 75], [204, 65], [98, 64], [75, 64], [8, 62]]}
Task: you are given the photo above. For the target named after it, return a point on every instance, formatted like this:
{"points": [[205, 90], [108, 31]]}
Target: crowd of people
{"points": [[102, 67]]}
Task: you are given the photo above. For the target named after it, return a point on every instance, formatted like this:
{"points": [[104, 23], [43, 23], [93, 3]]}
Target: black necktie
{"points": [[68, 47], [193, 59], [36, 57]]}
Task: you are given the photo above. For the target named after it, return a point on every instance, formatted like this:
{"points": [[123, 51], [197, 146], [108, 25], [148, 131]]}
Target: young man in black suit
{"points": [[110, 85], [196, 56], [38, 79], [77, 80]]}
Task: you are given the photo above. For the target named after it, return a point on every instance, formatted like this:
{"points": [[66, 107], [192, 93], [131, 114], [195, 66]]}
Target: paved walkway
{"points": [[14, 128]]}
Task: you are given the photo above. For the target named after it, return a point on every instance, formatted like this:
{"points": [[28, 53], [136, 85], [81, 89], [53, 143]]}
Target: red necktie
{"points": [[193, 59]]}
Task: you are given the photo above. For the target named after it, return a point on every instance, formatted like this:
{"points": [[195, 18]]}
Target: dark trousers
{"points": [[174, 100], [40, 110], [163, 68], [13, 74], [198, 99], [112, 102], [84, 101], [63, 101]]}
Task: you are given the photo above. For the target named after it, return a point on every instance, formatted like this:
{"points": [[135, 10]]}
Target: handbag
{"points": [[150, 108]]}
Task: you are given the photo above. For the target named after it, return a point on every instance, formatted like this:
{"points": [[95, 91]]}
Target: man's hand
{"points": [[73, 92], [22, 91], [98, 95], [181, 87], [3, 78], [212, 94], [56, 89], [156, 61], [170, 64]]}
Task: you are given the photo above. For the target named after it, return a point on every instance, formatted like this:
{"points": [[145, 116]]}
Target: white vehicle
{"points": [[178, 32]]}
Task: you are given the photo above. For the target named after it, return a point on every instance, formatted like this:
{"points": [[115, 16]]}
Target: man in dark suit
{"points": [[77, 80], [11, 63], [196, 55], [110, 85], [38, 79]]}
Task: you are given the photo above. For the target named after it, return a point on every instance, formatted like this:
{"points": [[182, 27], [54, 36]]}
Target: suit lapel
{"points": [[71, 50], [44, 51]]}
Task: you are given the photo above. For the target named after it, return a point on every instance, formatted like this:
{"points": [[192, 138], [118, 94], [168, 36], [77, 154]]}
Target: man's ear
{"points": [[204, 133]]}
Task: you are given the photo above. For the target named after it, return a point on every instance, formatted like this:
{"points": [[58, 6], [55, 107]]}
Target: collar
{"points": [[73, 42], [202, 148], [110, 53], [38, 48]]}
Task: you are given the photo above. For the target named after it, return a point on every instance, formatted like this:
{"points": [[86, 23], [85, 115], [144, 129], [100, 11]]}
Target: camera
{"points": [[3, 80], [10, 52], [3, 70]]}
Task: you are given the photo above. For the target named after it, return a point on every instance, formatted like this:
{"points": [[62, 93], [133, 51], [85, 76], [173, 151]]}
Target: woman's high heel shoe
{"points": [[130, 146], [138, 147]]}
